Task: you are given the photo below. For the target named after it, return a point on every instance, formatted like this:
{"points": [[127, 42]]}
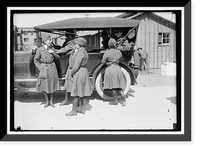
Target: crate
{"points": [[168, 68]]}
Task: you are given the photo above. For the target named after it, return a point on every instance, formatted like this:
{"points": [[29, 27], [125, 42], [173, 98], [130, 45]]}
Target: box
{"points": [[168, 68]]}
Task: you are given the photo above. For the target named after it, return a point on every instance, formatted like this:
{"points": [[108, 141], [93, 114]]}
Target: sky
{"points": [[31, 20]]}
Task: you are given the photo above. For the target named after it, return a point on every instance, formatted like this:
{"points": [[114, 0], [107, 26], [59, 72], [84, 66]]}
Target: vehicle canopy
{"points": [[93, 23]]}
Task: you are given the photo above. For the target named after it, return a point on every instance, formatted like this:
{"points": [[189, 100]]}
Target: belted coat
{"points": [[113, 77], [48, 80]]}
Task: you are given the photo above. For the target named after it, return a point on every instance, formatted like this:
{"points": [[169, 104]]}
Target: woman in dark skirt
{"points": [[48, 81], [113, 78], [81, 85]]}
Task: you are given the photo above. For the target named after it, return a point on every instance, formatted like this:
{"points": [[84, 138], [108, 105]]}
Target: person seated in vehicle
{"points": [[113, 77], [123, 45]]}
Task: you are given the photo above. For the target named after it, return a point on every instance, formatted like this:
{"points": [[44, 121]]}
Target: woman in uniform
{"points": [[48, 81], [81, 85], [113, 77]]}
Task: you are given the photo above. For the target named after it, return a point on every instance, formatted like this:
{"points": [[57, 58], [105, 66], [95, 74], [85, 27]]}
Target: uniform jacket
{"points": [[48, 57], [125, 46]]}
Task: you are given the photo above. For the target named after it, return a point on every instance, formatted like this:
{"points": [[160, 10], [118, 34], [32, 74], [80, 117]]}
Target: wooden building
{"points": [[157, 35]]}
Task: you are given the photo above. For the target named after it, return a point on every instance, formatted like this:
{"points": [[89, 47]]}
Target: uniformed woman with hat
{"points": [[48, 81], [80, 85], [113, 77]]}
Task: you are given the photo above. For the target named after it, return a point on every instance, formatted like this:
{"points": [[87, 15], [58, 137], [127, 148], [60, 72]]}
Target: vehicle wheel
{"points": [[99, 84]]}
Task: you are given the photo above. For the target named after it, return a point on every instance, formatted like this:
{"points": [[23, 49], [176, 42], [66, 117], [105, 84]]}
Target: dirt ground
{"points": [[151, 104]]}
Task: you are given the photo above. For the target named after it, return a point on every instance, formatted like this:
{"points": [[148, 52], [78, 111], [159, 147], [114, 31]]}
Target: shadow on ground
{"points": [[172, 99], [32, 97]]}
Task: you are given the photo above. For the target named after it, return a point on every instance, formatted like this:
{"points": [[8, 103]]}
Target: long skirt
{"points": [[81, 85], [68, 81], [48, 80], [114, 78]]}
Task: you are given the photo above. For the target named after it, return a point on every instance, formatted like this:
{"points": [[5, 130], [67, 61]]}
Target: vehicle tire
{"points": [[99, 88]]}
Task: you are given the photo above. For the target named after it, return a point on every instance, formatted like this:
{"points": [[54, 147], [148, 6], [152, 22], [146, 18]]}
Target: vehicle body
{"points": [[25, 73]]}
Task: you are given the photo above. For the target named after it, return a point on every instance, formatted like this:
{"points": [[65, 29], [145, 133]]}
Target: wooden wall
{"points": [[147, 38]]}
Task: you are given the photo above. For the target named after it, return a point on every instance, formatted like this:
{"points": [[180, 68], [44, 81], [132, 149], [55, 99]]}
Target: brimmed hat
{"points": [[80, 41], [111, 43]]}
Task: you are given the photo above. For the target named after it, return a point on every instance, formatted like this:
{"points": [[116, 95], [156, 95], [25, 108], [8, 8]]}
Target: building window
{"points": [[163, 38], [35, 41], [25, 33], [26, 39]]}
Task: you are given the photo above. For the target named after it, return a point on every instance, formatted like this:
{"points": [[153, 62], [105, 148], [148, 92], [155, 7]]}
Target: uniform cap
{"points": [[80, 41]]}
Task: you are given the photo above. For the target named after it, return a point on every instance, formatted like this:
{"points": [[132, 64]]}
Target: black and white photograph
{"points": [[96, 70]]}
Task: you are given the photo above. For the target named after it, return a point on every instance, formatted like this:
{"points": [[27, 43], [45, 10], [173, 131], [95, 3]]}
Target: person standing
{"points": [[143, 59], [113, 78], [69, 36], [81, 85], [48, 81], [105, 39], [69, 46]]}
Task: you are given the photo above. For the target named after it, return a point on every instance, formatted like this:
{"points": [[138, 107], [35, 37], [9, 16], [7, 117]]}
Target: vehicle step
{"points": [[30, 80], [34, 89], [33, 80]]}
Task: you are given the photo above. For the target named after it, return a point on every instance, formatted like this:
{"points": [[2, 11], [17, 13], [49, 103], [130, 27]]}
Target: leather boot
{"points": [[51, 101], [47, 100], [81, 108], [74, 108], [46, 105], [114, 94]]}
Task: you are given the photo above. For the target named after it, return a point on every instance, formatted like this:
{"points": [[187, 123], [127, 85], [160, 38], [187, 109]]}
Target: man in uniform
{"points": [[123, 45], [143, 59]]}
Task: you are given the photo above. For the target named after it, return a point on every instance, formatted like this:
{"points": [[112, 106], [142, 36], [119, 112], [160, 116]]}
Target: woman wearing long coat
{"points": [[80, 85], [48, 80], [113, 77]]}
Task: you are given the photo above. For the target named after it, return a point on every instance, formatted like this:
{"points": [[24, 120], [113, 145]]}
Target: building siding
{"points": [[147, 38]]}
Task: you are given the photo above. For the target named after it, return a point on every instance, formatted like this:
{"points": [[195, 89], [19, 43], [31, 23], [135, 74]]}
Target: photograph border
{"points": [[186, 136]]}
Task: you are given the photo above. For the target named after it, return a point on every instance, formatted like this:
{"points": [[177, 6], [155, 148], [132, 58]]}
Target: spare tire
{"points": [[99, 84]]}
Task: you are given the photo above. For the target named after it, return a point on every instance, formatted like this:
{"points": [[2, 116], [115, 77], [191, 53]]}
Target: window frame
{"points": [[163, 36]]}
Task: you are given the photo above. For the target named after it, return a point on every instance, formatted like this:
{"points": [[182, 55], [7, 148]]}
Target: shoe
{"points": [[64, 103], [81, 110], [123, 103], [46, 105], [71, 113]]}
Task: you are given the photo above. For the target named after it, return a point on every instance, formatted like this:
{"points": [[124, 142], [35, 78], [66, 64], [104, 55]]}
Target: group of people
{"points": [[77, 82], [127, 49]]}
